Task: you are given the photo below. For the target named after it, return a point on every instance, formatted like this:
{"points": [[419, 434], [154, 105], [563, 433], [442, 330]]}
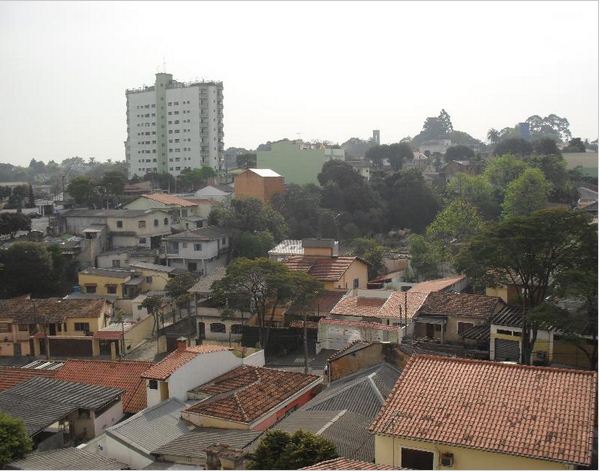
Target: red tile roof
{"points": [[536, 412], [50, 309], [167, 199], [164, 369], [321, 267], [391, 307], [342, 463], [460, 304], [11, 376], [121, 374], [436, 285], [359, 324], [247, 393]]}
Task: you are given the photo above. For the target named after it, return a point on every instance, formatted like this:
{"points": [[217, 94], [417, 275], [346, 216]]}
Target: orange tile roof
{"points": [[536, 412], [11, 376], [163, 369], [391, 307], [121, 374], [460, 304], [342, 463], [436, 285], [321, 267], [167, 199], [247, 393], [50, 309]]}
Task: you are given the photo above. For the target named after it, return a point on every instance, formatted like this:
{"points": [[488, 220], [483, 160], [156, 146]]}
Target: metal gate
{"points": [[506, 350]]}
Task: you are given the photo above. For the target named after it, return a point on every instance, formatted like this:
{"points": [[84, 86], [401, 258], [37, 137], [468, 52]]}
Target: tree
{"points": [[396, 154], [299, 205], [246, 161], [551, 126], [435, 127], [340, 173], [279, 450], [575, 145], [178, 289], [423, 258], [11, 223], [18, 197], [546, 147], [153, 305], [459, 153], [371, 252], [501, 171], [191, 180], [82, 189], [555, 171], [15, 443], [114, 182], [253, 245], [526, 194], [476, 190], [30, 197], [451, 227], [26, 269], [493, 136], [528, 252], [515, 146], [268, 285]]}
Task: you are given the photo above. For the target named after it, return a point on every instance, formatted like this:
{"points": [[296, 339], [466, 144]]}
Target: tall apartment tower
{"points": [[173, 125], [376, 137]]}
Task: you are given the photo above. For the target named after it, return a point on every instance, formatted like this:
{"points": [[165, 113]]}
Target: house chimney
{"points": [[181, 343]]}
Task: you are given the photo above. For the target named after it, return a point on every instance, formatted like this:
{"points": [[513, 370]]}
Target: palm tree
{"points": [[493, 135]]}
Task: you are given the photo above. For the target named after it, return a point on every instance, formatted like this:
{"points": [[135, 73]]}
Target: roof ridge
{"points": [[239, 404]]}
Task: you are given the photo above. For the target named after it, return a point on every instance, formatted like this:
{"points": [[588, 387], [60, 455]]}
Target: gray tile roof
{"points": [[36, 415], [194, 443], [117, 273], [153, 427], [88, 213], [80, 395], [208, 233], [343, 411], [67, 459], [155, 267]]}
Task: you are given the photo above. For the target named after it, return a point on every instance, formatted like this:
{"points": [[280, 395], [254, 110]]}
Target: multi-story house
{"points": [[173, 125], [185, 214], [200, 250], [52, 326]]}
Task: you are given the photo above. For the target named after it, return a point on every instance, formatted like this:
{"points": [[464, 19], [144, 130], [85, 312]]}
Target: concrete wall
{"points": [[108, 446], [388, 452], [297, 166], [357, 270], [355, 361]]}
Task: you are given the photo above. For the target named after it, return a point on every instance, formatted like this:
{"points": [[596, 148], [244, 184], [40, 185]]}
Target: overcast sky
{"points": [[312, 70]]}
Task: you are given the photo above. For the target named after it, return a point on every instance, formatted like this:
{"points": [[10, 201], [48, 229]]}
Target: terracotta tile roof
{"points": [[11, 376], [341, 463], [436, 285], [460, 304], [536, 412], [163, 369], [247, 392], [51, 309], [121, 374], [322, 305], [167, 199], [359, 324], [370, 306], [323, 268], [108, 335]]}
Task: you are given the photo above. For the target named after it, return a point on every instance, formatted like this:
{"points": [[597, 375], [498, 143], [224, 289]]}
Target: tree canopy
{"points": [[526, 194], [515, 146], [396, 154], [15, 443], [459, 153], [279, 450]]}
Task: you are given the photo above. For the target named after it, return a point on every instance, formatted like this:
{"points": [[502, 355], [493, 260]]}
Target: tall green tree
{"points": [[424, 261], [459, 153], [26, 269], [83, 190], [515, 146], [396, 154], [15, 443], [246, 161], [11, 223], [502, 170], [476, 190], [527, 252], [279, 450], [371, 252], [178, 289], [153, 305], [526, 194]]}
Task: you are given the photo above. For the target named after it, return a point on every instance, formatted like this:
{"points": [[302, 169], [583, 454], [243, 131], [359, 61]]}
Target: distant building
{"points": [[435, 146], [173, 125], [262, 184], [376, 137], [297, 162]]}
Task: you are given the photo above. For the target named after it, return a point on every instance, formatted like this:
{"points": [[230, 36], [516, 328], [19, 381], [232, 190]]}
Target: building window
{"points": [[111, 289], [119, 224], [224, 241], [217, 328], [116, 263], [355, 283], [23, 327], [90, 288], [149, 279], [236, 329], [153, 384], [142, 240], [166, 221], [155, 222], [141, 224], [4, 327], [462, 327], [82, 327], [197, 247], [192, 266]]}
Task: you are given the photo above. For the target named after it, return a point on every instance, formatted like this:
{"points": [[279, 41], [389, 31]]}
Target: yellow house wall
{"points": [[540, 344], [317, 251], [140, 331], [566, 353], [95, 325], [159, 280], [358, 270], [388, 452], [101, 282]]}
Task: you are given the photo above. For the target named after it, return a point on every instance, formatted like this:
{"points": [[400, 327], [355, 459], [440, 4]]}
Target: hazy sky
{"points": [[325, 70]]}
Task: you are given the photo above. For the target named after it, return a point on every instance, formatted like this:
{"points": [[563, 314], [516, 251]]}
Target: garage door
{"points": [[71, 348], [506, 350]]}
